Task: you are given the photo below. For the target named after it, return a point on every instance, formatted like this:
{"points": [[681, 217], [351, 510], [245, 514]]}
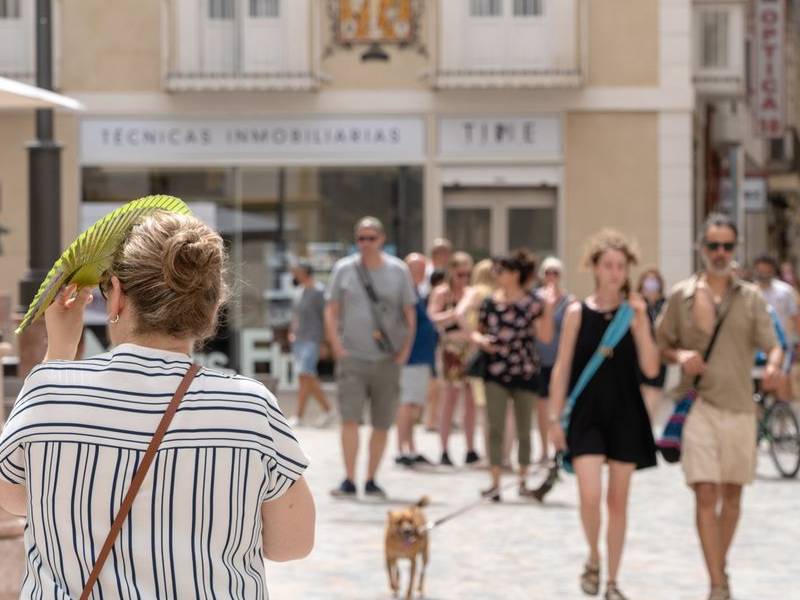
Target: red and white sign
{"points": [[770, 98]]}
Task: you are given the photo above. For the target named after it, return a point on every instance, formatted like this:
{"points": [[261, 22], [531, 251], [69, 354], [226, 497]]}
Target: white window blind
{"points": [[715, 32], [9, 9], [528, 8], [486, 8], [220, 9], [264, 8]]}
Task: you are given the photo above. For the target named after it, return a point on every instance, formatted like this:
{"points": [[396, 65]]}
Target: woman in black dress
{"points": [[609, 423]]}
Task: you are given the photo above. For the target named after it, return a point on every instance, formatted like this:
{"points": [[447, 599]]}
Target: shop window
{"points": [[264, 8], [269, 217], [486, 8], [714, 49], [9, 9], [528, 8]]}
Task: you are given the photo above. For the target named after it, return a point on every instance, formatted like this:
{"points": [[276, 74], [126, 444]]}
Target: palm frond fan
{"points": [[88, 257]]}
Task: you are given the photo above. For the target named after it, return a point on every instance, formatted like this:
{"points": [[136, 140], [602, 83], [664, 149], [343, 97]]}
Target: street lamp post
{"points": [[44, 199]]}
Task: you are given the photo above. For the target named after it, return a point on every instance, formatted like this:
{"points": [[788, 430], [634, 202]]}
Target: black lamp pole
{"points": [[44, 171]]}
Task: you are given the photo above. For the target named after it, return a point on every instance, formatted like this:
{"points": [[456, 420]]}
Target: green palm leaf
{"points": [[88, 257]]}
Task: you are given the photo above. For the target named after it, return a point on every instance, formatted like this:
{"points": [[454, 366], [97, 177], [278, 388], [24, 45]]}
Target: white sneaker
{"points": [[325, 419], [294, 421]]}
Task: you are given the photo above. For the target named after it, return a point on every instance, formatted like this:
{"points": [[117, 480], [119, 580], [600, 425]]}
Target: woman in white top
{"points": [[226, 488]]}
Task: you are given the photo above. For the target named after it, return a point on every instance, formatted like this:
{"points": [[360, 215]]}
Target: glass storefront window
{"points": [[270, 217]]}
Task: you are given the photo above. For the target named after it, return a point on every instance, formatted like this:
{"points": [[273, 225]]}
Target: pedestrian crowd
{"points": [[441, 341], [434, 341]]}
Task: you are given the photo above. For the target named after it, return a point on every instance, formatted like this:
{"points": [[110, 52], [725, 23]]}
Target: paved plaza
{"points": [[519, 549], [523, 550]]}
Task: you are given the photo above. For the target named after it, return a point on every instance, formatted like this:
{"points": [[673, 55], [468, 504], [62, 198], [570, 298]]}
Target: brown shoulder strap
{"points": [[138, 479]]}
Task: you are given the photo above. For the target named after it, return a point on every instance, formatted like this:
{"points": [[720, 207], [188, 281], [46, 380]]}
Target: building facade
{"points": [[496, 123]]}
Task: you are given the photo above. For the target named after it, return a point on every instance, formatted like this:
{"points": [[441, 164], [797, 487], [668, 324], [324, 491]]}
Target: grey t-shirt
{"points": [[308, 314], [395, 290]]}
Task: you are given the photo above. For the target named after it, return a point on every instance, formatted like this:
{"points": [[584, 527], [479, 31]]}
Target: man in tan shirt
{"points": [[719, 437]]}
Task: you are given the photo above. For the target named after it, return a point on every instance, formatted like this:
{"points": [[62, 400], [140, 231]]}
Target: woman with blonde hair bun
{"points": [[226, 486]]}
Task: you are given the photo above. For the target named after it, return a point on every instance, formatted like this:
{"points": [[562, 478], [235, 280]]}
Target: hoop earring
{"points": [[114, 320]]}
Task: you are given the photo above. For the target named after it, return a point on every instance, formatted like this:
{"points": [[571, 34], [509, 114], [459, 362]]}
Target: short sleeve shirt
{"points": [[395, 291], [308, 314], [75, 437], [783, 298], [726, 382], [510, 325]]}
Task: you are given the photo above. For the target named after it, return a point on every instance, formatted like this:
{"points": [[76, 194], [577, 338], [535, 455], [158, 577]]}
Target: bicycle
{"points": [[779, 427]]}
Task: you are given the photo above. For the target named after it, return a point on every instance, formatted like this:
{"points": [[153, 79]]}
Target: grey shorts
{"points": [[363, 382], [414, 381]]}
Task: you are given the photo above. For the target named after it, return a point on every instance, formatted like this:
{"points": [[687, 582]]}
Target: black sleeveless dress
{"points": [[609, 417]]}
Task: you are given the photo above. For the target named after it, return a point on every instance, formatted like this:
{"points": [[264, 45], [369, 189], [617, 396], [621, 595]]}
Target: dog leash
{"points": [[441, 520]]}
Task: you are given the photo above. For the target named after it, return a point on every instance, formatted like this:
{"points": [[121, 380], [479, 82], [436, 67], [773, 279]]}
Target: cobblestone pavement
{"points": [[522, 550]]}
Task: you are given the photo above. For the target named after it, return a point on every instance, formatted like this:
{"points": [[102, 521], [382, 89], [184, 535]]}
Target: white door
{"points": [[488, 222], [484, 47], [16, 37], [219, 50], [262, 36]]}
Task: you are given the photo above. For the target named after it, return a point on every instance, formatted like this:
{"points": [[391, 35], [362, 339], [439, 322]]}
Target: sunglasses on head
{"points": [[714, 246], [367, 238]]}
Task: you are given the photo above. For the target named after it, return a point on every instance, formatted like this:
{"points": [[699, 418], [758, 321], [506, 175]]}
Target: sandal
{"points": [[492, 493], [613, 593], [719, 593], [590, 579]]}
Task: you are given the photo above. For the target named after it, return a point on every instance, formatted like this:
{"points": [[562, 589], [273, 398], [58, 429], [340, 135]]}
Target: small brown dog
{"points": [[407, 537]]}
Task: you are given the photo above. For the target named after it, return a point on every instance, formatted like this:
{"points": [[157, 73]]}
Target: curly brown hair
{"points": [[610, 239]]}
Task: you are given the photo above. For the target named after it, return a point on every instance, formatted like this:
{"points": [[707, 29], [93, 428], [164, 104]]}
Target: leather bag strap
{"points": [[138, 479]]}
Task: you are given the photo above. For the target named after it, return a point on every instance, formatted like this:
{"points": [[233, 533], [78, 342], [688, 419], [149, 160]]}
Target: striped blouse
{"points": [[75, 438]]}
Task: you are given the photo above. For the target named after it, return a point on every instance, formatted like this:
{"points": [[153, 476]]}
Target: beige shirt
{"points": [[727, 382]]}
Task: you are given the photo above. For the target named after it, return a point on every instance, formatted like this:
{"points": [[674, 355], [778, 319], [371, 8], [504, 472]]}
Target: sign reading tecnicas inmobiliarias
{"points": [[770, 100], [116, 141]]}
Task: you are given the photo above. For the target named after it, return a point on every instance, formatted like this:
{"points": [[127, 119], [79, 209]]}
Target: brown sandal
{"points": [[590, 579], [613, 593]]}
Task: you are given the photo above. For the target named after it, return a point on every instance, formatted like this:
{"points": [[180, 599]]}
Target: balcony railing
{"points": [[239, 45]]}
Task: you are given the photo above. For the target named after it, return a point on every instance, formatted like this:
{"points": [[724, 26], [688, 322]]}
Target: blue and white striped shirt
{"points": [[75, 438]]}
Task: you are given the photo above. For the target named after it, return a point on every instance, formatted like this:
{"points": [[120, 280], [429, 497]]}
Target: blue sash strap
{"points": [[615, 331]]}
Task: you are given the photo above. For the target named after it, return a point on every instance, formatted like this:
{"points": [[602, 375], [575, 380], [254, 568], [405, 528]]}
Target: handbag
{"points": [[615, 331], [138, 479], [669, 444]]}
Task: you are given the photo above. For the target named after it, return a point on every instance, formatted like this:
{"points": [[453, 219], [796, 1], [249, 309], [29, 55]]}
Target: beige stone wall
{"points": [[611, 180], [404, 69], [15, 131], [111, 45], [623, 43]]}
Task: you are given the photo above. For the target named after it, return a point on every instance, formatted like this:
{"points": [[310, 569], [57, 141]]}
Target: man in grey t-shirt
{"points": [[307, 332], [371, 339]]}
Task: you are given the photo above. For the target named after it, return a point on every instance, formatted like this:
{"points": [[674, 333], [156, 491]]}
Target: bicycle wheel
{"points": [[784, 439]]}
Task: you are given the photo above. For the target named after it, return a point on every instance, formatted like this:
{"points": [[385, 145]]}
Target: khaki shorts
{"points": [[364, 382], [718, 446]]}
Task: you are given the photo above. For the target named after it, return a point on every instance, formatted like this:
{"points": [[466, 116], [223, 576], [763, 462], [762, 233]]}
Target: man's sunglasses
{"points": [[552, 272], [367, 238], [714, 246]]}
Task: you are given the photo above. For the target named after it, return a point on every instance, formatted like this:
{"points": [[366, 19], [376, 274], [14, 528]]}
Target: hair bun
{"points": [[188, 259]]}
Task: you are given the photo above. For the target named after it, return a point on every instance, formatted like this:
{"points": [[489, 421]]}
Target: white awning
{"points": [[18, 95]]}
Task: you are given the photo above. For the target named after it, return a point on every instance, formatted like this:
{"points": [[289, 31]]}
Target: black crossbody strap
{"points": [[715, 334], [384, 343]]}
